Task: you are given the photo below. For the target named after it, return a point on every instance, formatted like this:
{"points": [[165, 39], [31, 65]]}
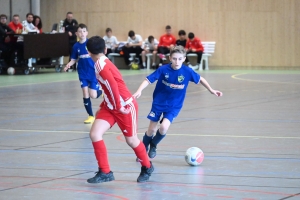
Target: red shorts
{"points": [[126, 122]]}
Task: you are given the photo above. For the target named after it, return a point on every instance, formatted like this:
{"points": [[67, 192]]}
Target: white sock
{"points": [[144, 64]]}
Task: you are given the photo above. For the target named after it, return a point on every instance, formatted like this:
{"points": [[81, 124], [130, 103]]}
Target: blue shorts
{"points": [[89, 83], [155, 114]]}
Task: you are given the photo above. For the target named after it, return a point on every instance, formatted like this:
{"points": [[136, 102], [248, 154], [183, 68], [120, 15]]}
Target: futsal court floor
{"points": [[250, 138]]}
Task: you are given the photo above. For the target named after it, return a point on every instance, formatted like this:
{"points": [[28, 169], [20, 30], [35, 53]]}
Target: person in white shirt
{"points": [[111, 42], [150, 46], [28, 27], [133, 45]]}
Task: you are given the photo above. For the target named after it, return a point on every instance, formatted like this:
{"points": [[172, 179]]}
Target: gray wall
{"points": [[20, 7]]}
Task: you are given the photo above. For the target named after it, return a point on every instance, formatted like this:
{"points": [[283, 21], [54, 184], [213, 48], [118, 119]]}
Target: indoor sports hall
{"points": [[249, 136]]}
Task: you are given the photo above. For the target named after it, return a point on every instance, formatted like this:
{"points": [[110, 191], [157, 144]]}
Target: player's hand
{"points": [[217, 93], [193, 50], [67, 67], [124, 110], [137, 94]]}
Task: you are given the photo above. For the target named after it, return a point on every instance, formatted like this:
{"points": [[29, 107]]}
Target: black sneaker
{"points": [[101, 177], [145, 173], [152, 151]]}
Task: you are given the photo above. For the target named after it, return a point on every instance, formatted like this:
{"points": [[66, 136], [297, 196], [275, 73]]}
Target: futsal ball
{"points": [[11, 71], [194, 156], [135, 66]]}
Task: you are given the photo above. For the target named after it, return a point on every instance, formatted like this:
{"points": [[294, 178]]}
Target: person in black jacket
{"points": [[70, 25], [5, 45]]}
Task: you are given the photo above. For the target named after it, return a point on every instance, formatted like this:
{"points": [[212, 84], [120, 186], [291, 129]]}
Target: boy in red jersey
{"points": [[118, 107], [166, 42], [194, 45]]}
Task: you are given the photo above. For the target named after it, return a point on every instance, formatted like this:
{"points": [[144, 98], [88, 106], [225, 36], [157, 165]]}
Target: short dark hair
{"points": [[95, 45], [16, 15], [108, 30], [29, 14], [168, 27], [150, 38], [82, 26], [131, 33], [181, 32], [191, 35], [69, 13], [3, 15]]}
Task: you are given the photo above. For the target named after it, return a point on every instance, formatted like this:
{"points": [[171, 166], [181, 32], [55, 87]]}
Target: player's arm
{"points": [[207, 86], [72, 62], [138, 93]]}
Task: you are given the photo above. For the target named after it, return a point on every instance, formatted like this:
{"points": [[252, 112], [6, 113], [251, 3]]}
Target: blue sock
{"points": [[88, 106], [157, 138], [99, 92], [146, 140]]}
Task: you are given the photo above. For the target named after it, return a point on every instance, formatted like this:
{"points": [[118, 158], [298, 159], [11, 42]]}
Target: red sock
{"points": [[140, 152], [101, 156]]}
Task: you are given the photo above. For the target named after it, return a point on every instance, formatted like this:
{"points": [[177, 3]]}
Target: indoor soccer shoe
{"points": [[152, 151], [89, 120], [101, 177], [145, 173]]}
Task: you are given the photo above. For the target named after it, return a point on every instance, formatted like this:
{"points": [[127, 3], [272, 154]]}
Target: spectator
{"points": [[182, 38], [5, 45], [16, 26], [69, 27], [37, 22], [166, 42], [111, 41], [133, 45], [27, 27], [194, 45], [150, 47]]}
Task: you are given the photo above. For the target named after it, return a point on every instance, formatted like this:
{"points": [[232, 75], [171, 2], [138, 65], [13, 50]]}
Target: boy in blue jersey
{"points": [[168, 97], [86, 71]]}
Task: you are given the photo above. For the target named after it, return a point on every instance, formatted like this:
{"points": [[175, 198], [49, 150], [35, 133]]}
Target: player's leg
{"points": [[144, 57], [168, 118], [154, 117], [128, 125], [87, 102], [95, 90], [99, 127], [154, 58]]}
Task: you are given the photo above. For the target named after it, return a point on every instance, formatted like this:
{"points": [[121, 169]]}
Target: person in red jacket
{"points": [[166, 42], [194, 45], [16, 26]]}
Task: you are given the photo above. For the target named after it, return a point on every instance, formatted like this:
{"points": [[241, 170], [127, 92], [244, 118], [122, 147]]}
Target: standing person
{"points": [[37, 22], [111, 41], [150, 47], [69, 26], [86, 71], [118, 107], [168, 96], [194, 45], [166, 42], [133, 45], [5, 43]]}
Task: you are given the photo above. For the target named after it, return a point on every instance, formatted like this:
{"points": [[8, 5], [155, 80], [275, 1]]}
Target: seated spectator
{"points": [[28, 27], [166, 42], [16, 26], [182, 38], [150, 47], [194, 45], [133, 45], [5, 44], [37, 22], [111, 41]]}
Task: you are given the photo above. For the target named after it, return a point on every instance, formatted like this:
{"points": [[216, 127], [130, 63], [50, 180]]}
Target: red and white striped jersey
{"points": [[116, 93]]}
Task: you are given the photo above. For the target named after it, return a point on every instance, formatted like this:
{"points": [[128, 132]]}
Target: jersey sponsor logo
{"points": [[173, 86], [84, 56], [152, 114], [180, 78]]}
